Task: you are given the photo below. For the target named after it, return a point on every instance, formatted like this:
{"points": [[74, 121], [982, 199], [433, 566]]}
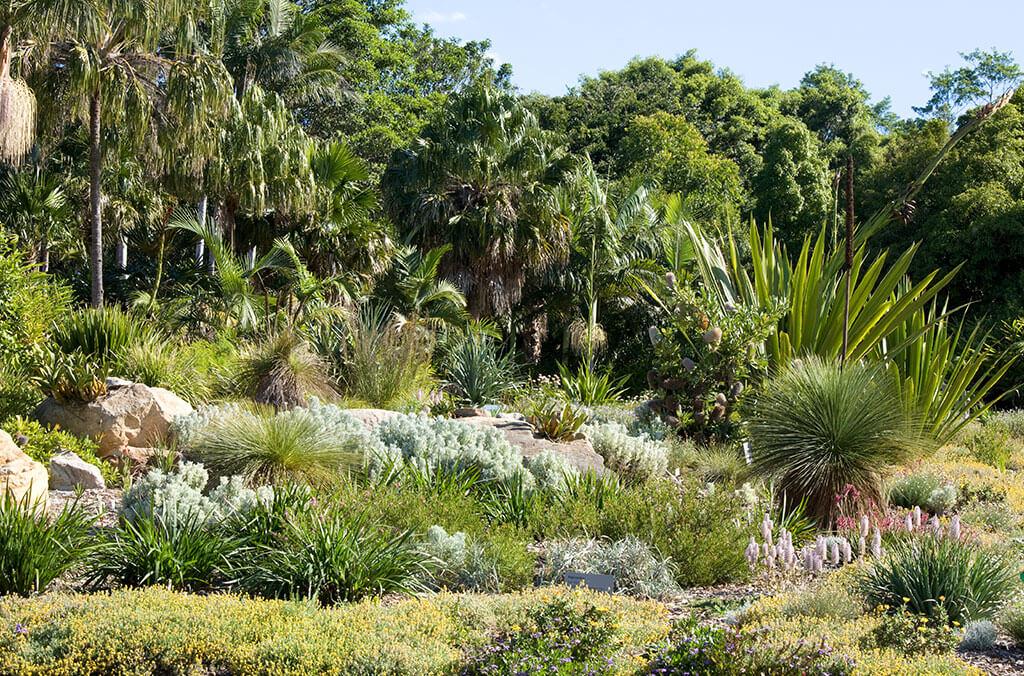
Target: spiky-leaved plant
{"points": [[819, 427]]}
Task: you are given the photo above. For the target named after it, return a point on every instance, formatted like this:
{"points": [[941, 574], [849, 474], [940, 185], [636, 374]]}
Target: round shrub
{"points": [[980, 635], [819, 427], [635, 458]]}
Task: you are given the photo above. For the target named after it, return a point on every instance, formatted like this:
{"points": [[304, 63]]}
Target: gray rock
{"points": [[68, 472]]}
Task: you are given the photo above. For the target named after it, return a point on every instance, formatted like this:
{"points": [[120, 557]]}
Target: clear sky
{"points": [[889, 44]]}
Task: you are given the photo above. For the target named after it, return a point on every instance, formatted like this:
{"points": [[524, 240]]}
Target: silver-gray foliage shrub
{"points": [[636, 566], [460, 565], [979, 635], [636, 458]]}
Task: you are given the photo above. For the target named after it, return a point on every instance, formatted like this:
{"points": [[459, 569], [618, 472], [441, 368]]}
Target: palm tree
{"points": [[413, 289], [36, 209], [124, 59], [482, 177]]}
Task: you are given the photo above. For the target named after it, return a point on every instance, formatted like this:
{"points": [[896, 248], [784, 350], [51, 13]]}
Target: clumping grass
{"points": [[478, 371], [101, 334], [1011, 621], [333, 557], [34, 549], [270, 449], [927, 574], [157, 361]]}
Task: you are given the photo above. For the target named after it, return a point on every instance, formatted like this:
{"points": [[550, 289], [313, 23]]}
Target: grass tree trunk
{"points": [[95, 206]]}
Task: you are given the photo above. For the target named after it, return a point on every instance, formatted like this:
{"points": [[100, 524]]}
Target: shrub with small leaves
{"points": [[41, 443], [635, 458], [978, 636], [559, 639], [636, 567], [912, 634], [461, 564], [179, 496], [924, 490], [551, 471]]}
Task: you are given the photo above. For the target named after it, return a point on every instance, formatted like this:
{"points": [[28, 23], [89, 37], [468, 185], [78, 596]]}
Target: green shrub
{"points": [[157, 361], [912, 634], [926, 491], [715, 462], [961, 580], [1008, 422], [282, 371], [35, 549], [101, 334], [179, 553], [699, 530], [818, 428], [332, 556], [990, 444], [71, 377], [590, 387], [635, 458], [157, 630], [18, 395], [559, 639], [478, 372], [265, 448], [695, 648], [30, 302], [44, 442], [637, 568]]}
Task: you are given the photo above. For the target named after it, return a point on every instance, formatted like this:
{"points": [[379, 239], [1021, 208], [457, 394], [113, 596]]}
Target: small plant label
{"points": [[603, 583]]}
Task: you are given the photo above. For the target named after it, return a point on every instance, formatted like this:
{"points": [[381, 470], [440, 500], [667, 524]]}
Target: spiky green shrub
{"points": [[179, 553], [590, 387], [100, 334], [819, 427], [332, 556], [1011, 621], [637, 568], [265, 448], [635, 458], [925, 573], [556, 420], [478, 371], [282, 371], [35, 549], [383, 361]]}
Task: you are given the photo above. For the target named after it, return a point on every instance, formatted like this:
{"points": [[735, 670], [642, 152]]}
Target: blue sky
{"points": [[889, 45]]}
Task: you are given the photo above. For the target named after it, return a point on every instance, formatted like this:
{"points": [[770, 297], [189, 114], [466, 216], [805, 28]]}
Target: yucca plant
{"points": [[926, 572], [180, 553], [283, 371], [35, 549], [819, 427], [478, 371], [333, 557], [269, 449]]}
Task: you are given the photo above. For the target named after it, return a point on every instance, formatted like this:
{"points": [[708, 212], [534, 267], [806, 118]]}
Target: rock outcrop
{"points": [[25, 478], [579, 453], [129, 417]]}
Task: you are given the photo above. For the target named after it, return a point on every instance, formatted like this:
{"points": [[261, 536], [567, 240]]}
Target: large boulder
{"points": [[25, 478], [129, 416], [371, 417], [69, 472], [579, 453]]}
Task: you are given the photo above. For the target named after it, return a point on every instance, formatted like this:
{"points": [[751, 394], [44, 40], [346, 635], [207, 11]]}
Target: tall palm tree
{"points": [[482, 177], [131, 66]]}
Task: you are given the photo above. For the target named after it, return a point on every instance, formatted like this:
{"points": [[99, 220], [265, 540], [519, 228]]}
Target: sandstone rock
{"points": [[371, 417], [470, 412], [25, 478], [579, 453], [127, 416], [68, 472]]}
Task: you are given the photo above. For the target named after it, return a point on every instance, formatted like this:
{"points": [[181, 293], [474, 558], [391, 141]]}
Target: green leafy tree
{"points": [[986, 76], [482, 178]]}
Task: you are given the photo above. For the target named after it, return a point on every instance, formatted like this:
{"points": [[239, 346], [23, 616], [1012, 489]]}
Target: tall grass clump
{"points": [[283, 371], [333, 557], [264, 448], [478, 371], [34, 549], [384, 361], [178, 553], [156, 361], [100, 334], [819, 427], [925, 573]]}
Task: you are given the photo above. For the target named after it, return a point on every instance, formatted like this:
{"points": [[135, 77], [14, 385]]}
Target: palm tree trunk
{"points": [[201, 209], [121, 253], [95, 207]]}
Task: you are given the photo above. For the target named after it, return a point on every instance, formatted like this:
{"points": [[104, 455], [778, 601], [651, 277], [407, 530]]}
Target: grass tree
{"points": [[128, 68]]}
